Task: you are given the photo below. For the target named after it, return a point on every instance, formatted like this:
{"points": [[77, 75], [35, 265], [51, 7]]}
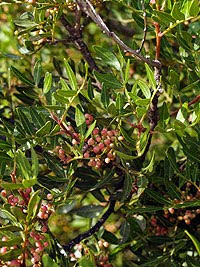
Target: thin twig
{"points": [[89, 10], [68, 247], [145, 26], [195, 100], [75, 32], [62, 126]]}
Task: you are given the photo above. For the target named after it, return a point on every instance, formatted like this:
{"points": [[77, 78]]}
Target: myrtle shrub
{"points": [[100, 135]]}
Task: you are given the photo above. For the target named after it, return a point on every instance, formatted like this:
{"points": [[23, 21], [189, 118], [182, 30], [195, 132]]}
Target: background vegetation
{"points": [[99, 146]]}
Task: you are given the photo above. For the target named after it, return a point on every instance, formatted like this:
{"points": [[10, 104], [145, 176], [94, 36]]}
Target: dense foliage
{"points": [[99, 133]]}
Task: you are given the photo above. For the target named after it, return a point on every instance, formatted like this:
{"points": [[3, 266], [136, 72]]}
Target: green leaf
{"points": [[164, 17], [35, 164], [84, 262], [127, 187], [119, 103], [23, 165], [110, 237], [156, 261], [109, 80], [172, 158], [29, 183], [64, 85], [187, 204], [127, 71], [66, 93], [150, 76], [176, 13], [4, 157], [8, 215], [157, 197], [145, 89], [108, 57], [10, 228], [21, 76], [90, 211], [26, 23], [90, 89], [149, 167], [164, 115], [124, 231], [125, 156], [127, 136], [195, 241], [194, 8], [44, 130], [28, 127], [36, 118], [12, 186], [48, 261], [37, 72], [11, 242], [79, 117], [47, 82], [141, 210], [90, 129], [10, 255], [33, 206], [71, 76], [104, 181], [4, 145], [54, 164], [105, 99], [172, 189]]}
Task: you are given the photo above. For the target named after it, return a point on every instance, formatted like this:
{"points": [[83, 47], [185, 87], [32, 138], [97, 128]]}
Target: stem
{"points": [[145, 26], [75, 32], [61, 124], [195, 100], [68, 247], [158, 39], [161, 34], [89, 10]]}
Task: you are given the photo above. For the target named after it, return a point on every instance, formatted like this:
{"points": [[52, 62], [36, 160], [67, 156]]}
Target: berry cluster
{"points": [[102, 259], [34, 238], [179, 215], [157, 228], [98, 149]]}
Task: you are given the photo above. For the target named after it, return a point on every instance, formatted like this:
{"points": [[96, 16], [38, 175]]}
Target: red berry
{"points": [[49, 196], [74, 142], [3, 250], [3, 193], [87, 116], [87, 122], [120, 138], [107, 142], [15, 199], [101, 145], [44, 208], [95, 131], [109, 155], [110, 133], [86, 155], [91, 142], [44, 229], [107, 160], [171, 210], [98, 139], [46, 244], [91, 118], [96, 149], [104, 131], [28, 190]]}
